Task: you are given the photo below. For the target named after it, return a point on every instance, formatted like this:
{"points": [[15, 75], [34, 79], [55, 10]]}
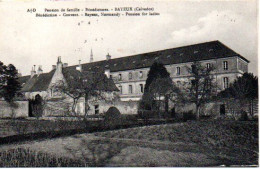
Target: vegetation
{"points": [[159, 89], [9, 85], [21, 157], [202, 86], [241, 94]]}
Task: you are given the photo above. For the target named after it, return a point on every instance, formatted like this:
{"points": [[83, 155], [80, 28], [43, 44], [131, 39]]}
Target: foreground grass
{"points": [[21, 157], [196, 144], [234, 142]]}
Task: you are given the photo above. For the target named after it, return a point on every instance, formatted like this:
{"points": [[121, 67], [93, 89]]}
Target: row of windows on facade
{"points": [[178, 71], [130, 89], [141, 86]]}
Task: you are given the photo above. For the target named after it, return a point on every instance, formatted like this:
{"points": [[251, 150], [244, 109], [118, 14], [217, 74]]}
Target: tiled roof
{"points": [[38, 83], [202, 51], [41, 82], [98, 80], [23, 79]]}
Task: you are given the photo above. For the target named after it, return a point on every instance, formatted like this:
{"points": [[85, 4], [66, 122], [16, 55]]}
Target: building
{"points": [[130, 73]]}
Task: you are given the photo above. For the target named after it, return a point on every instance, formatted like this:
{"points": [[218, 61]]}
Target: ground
{"points": [[197, 144]]}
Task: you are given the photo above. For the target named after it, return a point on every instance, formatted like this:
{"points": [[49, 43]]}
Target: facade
{"points": [[129, 73]]}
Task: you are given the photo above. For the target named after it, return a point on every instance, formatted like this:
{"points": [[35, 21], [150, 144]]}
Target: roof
{"points": [[94, 80], [41, 82], [38, 82], [23, 79], [191, 53]]}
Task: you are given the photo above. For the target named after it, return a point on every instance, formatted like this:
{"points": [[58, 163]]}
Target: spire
{"points": [[91, 56]]}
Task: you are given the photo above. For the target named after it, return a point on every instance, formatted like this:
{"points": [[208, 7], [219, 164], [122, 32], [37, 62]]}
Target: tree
{"points": [[202, 86], [92, 86], [159, 88], [242, 91], [9, 85]]}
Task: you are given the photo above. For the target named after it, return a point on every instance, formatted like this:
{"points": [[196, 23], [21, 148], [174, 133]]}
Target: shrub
{"points": [[112, 118]]}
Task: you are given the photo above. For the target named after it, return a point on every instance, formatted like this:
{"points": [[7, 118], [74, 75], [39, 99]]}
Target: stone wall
{"points": [[21, 110]]}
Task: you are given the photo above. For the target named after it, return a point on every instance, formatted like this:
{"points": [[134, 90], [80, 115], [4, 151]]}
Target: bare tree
{"points": [[202, 85], [90, 86]]}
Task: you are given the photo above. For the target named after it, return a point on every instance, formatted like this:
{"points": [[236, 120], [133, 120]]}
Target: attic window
{"points": [[195, 51], [210, 50], [181, 54]]}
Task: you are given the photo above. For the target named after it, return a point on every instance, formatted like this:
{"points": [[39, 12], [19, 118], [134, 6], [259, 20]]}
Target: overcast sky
{"points": [[26, 40]]}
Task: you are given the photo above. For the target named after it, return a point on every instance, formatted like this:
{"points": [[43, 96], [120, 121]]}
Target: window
{"points": [[96, 109], [119, 77], [225, 65], [121, 89], [142, 88], [141, 74], [130, 76], [111, 76], [178, 70], [225, 80], [208, 65], [130, 89]]}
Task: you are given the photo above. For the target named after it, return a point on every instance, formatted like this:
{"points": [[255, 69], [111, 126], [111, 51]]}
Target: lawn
{"points": [[197, 144]]}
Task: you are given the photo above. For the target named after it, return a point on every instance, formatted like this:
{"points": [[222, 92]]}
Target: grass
{"points": [[196, 144], [21, 157], [236, 139]]}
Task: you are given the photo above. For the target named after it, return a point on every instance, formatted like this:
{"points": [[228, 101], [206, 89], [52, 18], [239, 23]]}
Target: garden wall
{"points": [[21, 109]]}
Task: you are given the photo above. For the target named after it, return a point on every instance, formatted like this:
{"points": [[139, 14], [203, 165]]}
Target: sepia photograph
{"points": [[163, 83]]}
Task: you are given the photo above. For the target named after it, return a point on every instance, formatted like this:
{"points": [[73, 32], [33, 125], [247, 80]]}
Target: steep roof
{"points": [[202, 51], [23, 79], [98, 80], [41, 82], [38, 82]]}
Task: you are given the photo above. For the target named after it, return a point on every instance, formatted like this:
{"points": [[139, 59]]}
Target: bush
{"points": [[112, 118], [189, 116]]}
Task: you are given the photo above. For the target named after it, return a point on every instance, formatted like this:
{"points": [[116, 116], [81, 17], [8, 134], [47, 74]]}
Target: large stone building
{"points": [[130, 73]]}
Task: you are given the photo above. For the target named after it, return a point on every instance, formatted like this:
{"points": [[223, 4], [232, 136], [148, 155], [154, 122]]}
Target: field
{"points": [[197, 144]]}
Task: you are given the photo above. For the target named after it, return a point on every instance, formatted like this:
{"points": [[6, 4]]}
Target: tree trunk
{"points": [[197, 112]]}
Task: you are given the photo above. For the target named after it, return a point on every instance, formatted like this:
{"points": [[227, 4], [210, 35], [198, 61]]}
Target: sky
{"points": [[26, 40]]}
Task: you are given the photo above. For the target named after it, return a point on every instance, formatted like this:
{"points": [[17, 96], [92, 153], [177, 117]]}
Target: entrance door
{"points": [[222, 110]]}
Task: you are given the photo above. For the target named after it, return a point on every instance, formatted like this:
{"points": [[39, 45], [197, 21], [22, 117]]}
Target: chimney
{"points": [[33, 72], [53, 67], [108, 57], [65, 64], [39, 71], [79, 67], [59, 65], [91, 56]]}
